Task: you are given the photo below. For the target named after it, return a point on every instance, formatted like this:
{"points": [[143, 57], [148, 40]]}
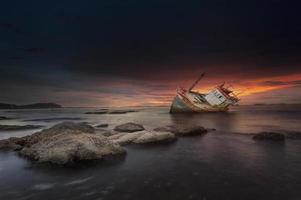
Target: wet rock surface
{"points": [[129, 127], [18, 127], [69, 142], [68, 148], [155, 137], [183, 130], [63, 143], [272, 136], [143, 137]]}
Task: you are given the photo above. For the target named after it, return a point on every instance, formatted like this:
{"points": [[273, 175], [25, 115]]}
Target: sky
{"points": [[137, 52]]}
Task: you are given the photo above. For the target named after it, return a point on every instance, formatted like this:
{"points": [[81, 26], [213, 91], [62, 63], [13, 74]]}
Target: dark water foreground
{"points": [[219, 165], [214, 166]]}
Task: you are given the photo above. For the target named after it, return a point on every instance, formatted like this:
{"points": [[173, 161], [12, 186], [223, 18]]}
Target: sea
{"points": [[223, 164]]}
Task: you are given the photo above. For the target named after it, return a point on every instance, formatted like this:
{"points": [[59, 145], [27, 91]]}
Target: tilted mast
{"points": [[196, 82]]}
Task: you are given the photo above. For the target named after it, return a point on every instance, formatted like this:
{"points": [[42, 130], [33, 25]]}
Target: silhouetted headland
{"points": [[29, 106]]}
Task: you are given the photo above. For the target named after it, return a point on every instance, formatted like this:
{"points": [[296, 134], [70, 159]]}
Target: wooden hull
{"points": [[183, 103]]}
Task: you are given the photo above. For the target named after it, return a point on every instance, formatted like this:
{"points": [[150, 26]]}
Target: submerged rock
{"points": [[129, 127], [183, 130], [169, 128], [121, 111], [269, 136], [63, 143], [18, 127]]}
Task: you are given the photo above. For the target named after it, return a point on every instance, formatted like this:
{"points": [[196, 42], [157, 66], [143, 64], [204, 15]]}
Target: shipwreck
{"points": [[219, 99]]}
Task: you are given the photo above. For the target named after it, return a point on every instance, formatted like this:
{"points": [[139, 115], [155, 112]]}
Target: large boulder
{"points": [[269, 136], [63, 143], [68, 148], [129, 127], [183, 130]]}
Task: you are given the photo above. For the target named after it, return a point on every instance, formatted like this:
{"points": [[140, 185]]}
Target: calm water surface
{"points": [[219, 165]]}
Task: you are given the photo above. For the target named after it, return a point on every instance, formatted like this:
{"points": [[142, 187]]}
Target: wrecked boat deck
{"points": [[218, 99]]}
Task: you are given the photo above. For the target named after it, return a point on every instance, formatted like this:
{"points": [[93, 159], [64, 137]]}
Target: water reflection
{"points": [[220, 121]]}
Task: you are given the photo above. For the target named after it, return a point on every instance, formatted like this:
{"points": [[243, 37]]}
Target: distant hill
{"points": [[29, 106]]}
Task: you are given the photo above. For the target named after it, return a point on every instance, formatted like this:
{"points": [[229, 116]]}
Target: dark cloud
{"points": [[10, 27], [73, 45], [36, 50]]}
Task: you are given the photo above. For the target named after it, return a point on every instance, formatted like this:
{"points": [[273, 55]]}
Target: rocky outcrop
{"points": [[68, 148], [183, 130], [63, 143], [3, 118], [269, 136], [18, 127], [142, 137], [129, 127]]}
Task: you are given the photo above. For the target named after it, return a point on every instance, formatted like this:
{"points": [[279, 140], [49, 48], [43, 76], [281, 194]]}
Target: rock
{"points": [[68, 147], [183, 130], [125, 138], [9, 144], [102, 125], [18, 127], [169, 128], [121, 111], [155, 137], [269, 136], [142, 137], [129, 127], [63, 143], [190, 130]]}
